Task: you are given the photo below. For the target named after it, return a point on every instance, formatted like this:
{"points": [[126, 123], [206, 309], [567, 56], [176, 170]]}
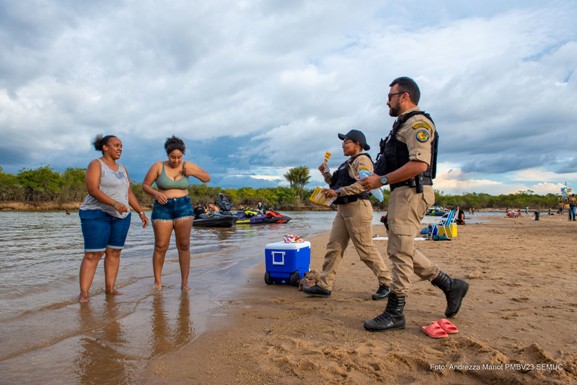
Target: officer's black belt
{"points": [[347, 199], [426, 181]]}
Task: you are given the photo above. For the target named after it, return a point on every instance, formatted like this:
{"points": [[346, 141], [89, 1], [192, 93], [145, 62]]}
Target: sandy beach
{"points": [[516, 326]]}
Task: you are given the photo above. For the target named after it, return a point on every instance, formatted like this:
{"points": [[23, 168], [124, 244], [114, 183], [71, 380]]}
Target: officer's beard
{"points": [[394, 112]]}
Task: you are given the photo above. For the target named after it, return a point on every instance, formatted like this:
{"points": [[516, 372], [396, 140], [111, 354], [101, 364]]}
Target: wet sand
{"points": [[517, 324]]}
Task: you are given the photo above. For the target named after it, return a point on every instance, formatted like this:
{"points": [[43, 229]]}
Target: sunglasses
{"points": [[396, 93]]}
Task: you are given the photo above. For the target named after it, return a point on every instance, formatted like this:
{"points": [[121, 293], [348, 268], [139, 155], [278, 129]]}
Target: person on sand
{"points": [[353, 220], [104, 215], [408, 163], [172, 209], [572, 208], [460, 216]]}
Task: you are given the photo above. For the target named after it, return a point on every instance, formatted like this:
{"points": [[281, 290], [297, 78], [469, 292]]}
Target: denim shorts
{"points": [[101, 230], [175, 208]]}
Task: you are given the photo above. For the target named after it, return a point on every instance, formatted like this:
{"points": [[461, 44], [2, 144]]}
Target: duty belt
{"points": [[426, 181], [347, 199]]}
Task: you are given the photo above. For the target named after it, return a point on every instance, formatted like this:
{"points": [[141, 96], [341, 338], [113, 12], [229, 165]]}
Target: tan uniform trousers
{"points": [[406, 210], [354, 222]]}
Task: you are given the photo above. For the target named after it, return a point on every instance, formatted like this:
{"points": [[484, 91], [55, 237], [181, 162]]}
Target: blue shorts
{"points": [[101, 230], [175, 208]]}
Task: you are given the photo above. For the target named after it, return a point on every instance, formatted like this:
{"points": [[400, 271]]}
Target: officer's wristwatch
{"points": [[384, 180]]}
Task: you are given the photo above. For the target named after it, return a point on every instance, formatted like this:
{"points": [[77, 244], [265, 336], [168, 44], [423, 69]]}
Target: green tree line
{"points": [[45, 185]]}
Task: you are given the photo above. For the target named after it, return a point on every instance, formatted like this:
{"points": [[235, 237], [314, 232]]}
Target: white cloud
{"points": [[279, 80]]}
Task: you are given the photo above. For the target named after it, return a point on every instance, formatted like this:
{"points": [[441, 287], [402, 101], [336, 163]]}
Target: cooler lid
{"points": [[288, 245]]}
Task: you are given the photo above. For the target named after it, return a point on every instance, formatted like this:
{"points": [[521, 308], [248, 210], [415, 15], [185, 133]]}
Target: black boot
{"points": [[382, 293], [391, 319], [454, 289], [317, 291]]}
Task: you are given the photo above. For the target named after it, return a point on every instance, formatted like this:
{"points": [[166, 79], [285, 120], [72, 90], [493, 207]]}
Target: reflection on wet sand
{"points": [[164, 337], [99, 360], [116, 344]]}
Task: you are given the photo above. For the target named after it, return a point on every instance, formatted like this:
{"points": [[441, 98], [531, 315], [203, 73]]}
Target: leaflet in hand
{"points": [[319, 197]]}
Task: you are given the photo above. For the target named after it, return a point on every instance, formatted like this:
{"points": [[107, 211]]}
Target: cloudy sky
{"points": [[256, 87]]}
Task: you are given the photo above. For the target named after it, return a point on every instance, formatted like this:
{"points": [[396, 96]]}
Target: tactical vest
{"points": [[394, 154], [341, 178]]}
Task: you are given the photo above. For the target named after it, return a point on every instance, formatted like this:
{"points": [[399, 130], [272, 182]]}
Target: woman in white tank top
{"points": [[105, 216]]}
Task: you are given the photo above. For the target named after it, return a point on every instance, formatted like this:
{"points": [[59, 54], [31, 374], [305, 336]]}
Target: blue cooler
{"points": [[287, 262]]}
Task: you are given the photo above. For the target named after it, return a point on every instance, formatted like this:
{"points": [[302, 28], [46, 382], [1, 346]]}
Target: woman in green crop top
{"points": [[172, 208]]}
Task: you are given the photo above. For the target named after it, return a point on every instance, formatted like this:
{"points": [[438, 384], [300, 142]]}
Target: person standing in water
{"points": [[104, 215], [172, 208]]}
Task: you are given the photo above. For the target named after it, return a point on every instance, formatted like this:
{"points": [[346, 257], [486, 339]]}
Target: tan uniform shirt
{"points": [[417, 133], [360, 162]]}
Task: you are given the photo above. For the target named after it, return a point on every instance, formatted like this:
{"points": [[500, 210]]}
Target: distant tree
{"points": [[73, 185], [40, 185], [10, 189], [298, 177], [285, 197]]}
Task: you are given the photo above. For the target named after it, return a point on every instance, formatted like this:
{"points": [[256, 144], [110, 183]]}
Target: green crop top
{"points": [[165, 183]]}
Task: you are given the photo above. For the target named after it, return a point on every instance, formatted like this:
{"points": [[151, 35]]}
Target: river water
{"points": [[46, 337]]}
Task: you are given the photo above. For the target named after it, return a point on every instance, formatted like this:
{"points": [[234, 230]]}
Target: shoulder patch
{"points": [[421, 124], [423, 136]]}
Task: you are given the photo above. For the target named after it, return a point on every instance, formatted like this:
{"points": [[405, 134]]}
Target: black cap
{"points": [[356, 136]]}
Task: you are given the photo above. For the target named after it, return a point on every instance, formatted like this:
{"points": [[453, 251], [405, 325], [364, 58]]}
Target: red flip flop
{"points": [[434, 330], [447, 326]]}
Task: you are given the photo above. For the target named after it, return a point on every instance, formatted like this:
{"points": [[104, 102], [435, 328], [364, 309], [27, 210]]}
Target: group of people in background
{"points": [[105, 216], [407, 162], [570, 201], [200, 209]]}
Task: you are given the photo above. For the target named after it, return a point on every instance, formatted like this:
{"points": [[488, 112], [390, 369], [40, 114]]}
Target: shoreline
{"points": [[276, 334], [38, 206], [62, 206]]}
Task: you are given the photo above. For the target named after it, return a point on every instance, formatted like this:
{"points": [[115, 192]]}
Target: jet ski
{"points": [[215, 219], [252, 217], [223, 218]]}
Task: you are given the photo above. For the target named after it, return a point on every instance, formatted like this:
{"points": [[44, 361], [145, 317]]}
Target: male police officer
{"points": [[408, 163]]}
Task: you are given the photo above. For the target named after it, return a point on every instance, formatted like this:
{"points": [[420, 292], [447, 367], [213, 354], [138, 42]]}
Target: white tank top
{"points": [[115, 185]]}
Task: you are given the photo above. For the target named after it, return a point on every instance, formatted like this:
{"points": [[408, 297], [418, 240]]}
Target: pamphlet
{"points": [[319, 197]]}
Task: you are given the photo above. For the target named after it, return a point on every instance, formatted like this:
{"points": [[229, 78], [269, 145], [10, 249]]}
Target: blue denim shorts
{"points": [[175, 208], [101, 230]]}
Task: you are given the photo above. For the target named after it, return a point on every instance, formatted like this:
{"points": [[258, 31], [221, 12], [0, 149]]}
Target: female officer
{"points": [[172, 208], [354, 218]]}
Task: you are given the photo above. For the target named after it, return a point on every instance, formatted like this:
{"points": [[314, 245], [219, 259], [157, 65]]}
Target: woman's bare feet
{"points": [[83, 298], [114, 292], [157, 285], [186, 288]]}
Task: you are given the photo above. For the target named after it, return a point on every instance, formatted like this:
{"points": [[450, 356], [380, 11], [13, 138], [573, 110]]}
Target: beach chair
{"points": [[445, 230]]}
